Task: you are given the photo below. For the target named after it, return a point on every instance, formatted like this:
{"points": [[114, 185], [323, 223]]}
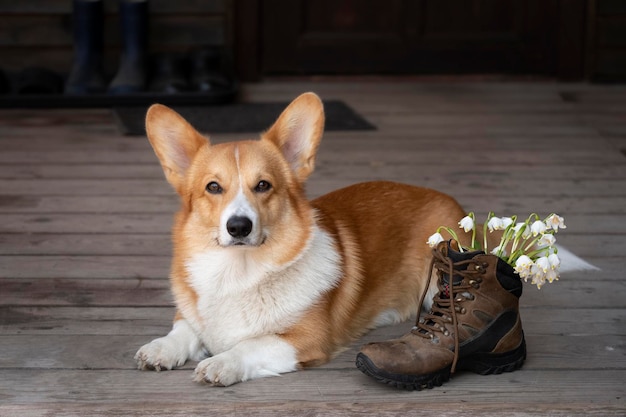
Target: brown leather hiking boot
{"points": [[474, 325]]}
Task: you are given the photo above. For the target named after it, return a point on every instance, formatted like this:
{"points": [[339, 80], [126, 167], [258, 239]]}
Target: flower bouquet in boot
{"points": [[474, 322]]}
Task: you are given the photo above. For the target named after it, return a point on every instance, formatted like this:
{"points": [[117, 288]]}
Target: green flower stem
{"points": [[489, 216], [473, 244], [452, 233], [518, 236], [534, 253], [506, 237]]}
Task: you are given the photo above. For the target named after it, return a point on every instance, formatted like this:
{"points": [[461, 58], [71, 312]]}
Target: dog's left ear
{"points": [[297, 133]]}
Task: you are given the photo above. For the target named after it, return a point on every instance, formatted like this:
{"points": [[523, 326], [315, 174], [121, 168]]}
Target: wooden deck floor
{"points": [[84, 252]]}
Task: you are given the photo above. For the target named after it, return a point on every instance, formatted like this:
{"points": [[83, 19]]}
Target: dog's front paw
{"points": [[160, 354], [221, 370]]}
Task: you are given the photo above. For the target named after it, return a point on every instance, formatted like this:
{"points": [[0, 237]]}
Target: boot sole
{"points": [[482, 363], [401, 381]]}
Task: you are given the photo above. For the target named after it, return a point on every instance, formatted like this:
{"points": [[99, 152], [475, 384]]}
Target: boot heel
{"points": [[495, 363]]}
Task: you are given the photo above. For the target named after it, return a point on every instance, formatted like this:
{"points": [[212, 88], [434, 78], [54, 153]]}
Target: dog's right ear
{"points": [[174, 141]]}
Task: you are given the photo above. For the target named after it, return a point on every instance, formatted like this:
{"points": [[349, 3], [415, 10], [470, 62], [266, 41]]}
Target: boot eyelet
{"points": [[446, 333], [463, 310]]}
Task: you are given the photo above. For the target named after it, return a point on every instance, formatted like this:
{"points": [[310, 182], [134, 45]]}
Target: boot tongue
{"points": [[456, 257]]}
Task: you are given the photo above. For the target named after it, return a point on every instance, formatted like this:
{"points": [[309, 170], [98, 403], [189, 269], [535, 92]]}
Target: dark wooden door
{"points": [[408, 36]]}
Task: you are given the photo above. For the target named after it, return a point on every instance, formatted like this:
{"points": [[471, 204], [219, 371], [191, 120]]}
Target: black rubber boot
{"points": [[131, 75], [86, 76]]}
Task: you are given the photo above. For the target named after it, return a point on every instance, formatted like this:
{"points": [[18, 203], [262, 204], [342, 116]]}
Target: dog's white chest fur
{"points": [[239, 298]]}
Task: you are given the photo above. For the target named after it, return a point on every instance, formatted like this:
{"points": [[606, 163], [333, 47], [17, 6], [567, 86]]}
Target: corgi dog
{"points": [[267, 282]]}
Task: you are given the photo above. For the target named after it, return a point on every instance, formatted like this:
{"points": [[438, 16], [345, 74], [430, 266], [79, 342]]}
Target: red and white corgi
{"points": [[267, 282]]}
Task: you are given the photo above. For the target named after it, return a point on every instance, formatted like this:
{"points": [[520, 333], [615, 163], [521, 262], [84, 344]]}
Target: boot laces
{"points": [[444, 310]]}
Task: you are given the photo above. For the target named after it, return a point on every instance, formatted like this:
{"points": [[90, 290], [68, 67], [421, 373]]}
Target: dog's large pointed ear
{"points": [[297, 133], [174, 141]]}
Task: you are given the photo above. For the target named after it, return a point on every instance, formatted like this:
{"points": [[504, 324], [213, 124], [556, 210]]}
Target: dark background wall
{"points": [[564, 39]]}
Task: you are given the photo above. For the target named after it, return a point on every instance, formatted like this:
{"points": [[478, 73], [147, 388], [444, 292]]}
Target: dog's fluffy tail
{"points": [[571, 262]]}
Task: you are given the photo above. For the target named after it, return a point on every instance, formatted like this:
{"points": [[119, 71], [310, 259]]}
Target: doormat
{"points": [[240, 117]]}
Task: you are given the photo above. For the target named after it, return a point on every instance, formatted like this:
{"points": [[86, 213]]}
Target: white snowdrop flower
{"points": [[499, 251], [538, 280], [538, 228], [435, 239], [466, 223], [555, 222], [554, 260], [538, 276], [523, 266], [547, 240], [506, 222], [543, 263], [552, 275], [495, 223]]}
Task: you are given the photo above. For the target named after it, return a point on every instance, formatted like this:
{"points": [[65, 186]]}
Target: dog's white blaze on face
{"points": [[240, 206]]}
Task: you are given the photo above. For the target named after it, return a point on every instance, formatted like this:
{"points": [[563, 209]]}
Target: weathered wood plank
{"points": [[442, 408], [91, 171], [94, 204], [156, 321], [164, 204], [348, 391], [86, 292], [483, 186], [401, 152], [153, 244], [97, 288], [85, 244], [545, 352], [92, 267], [348, 169], [161, 223], [119, 321]]}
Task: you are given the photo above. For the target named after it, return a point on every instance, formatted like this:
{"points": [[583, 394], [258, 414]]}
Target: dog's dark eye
{"points": [[213, 188], [262, 186]]}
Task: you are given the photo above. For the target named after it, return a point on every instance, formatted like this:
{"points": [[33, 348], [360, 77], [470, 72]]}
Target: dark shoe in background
{"points": [[169, 74], [474, 325], [86, 76], [37, 81], [131, 75], [208, 72]]}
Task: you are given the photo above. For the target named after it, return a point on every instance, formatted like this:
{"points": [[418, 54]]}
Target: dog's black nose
{"points": [[239, 226]]}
